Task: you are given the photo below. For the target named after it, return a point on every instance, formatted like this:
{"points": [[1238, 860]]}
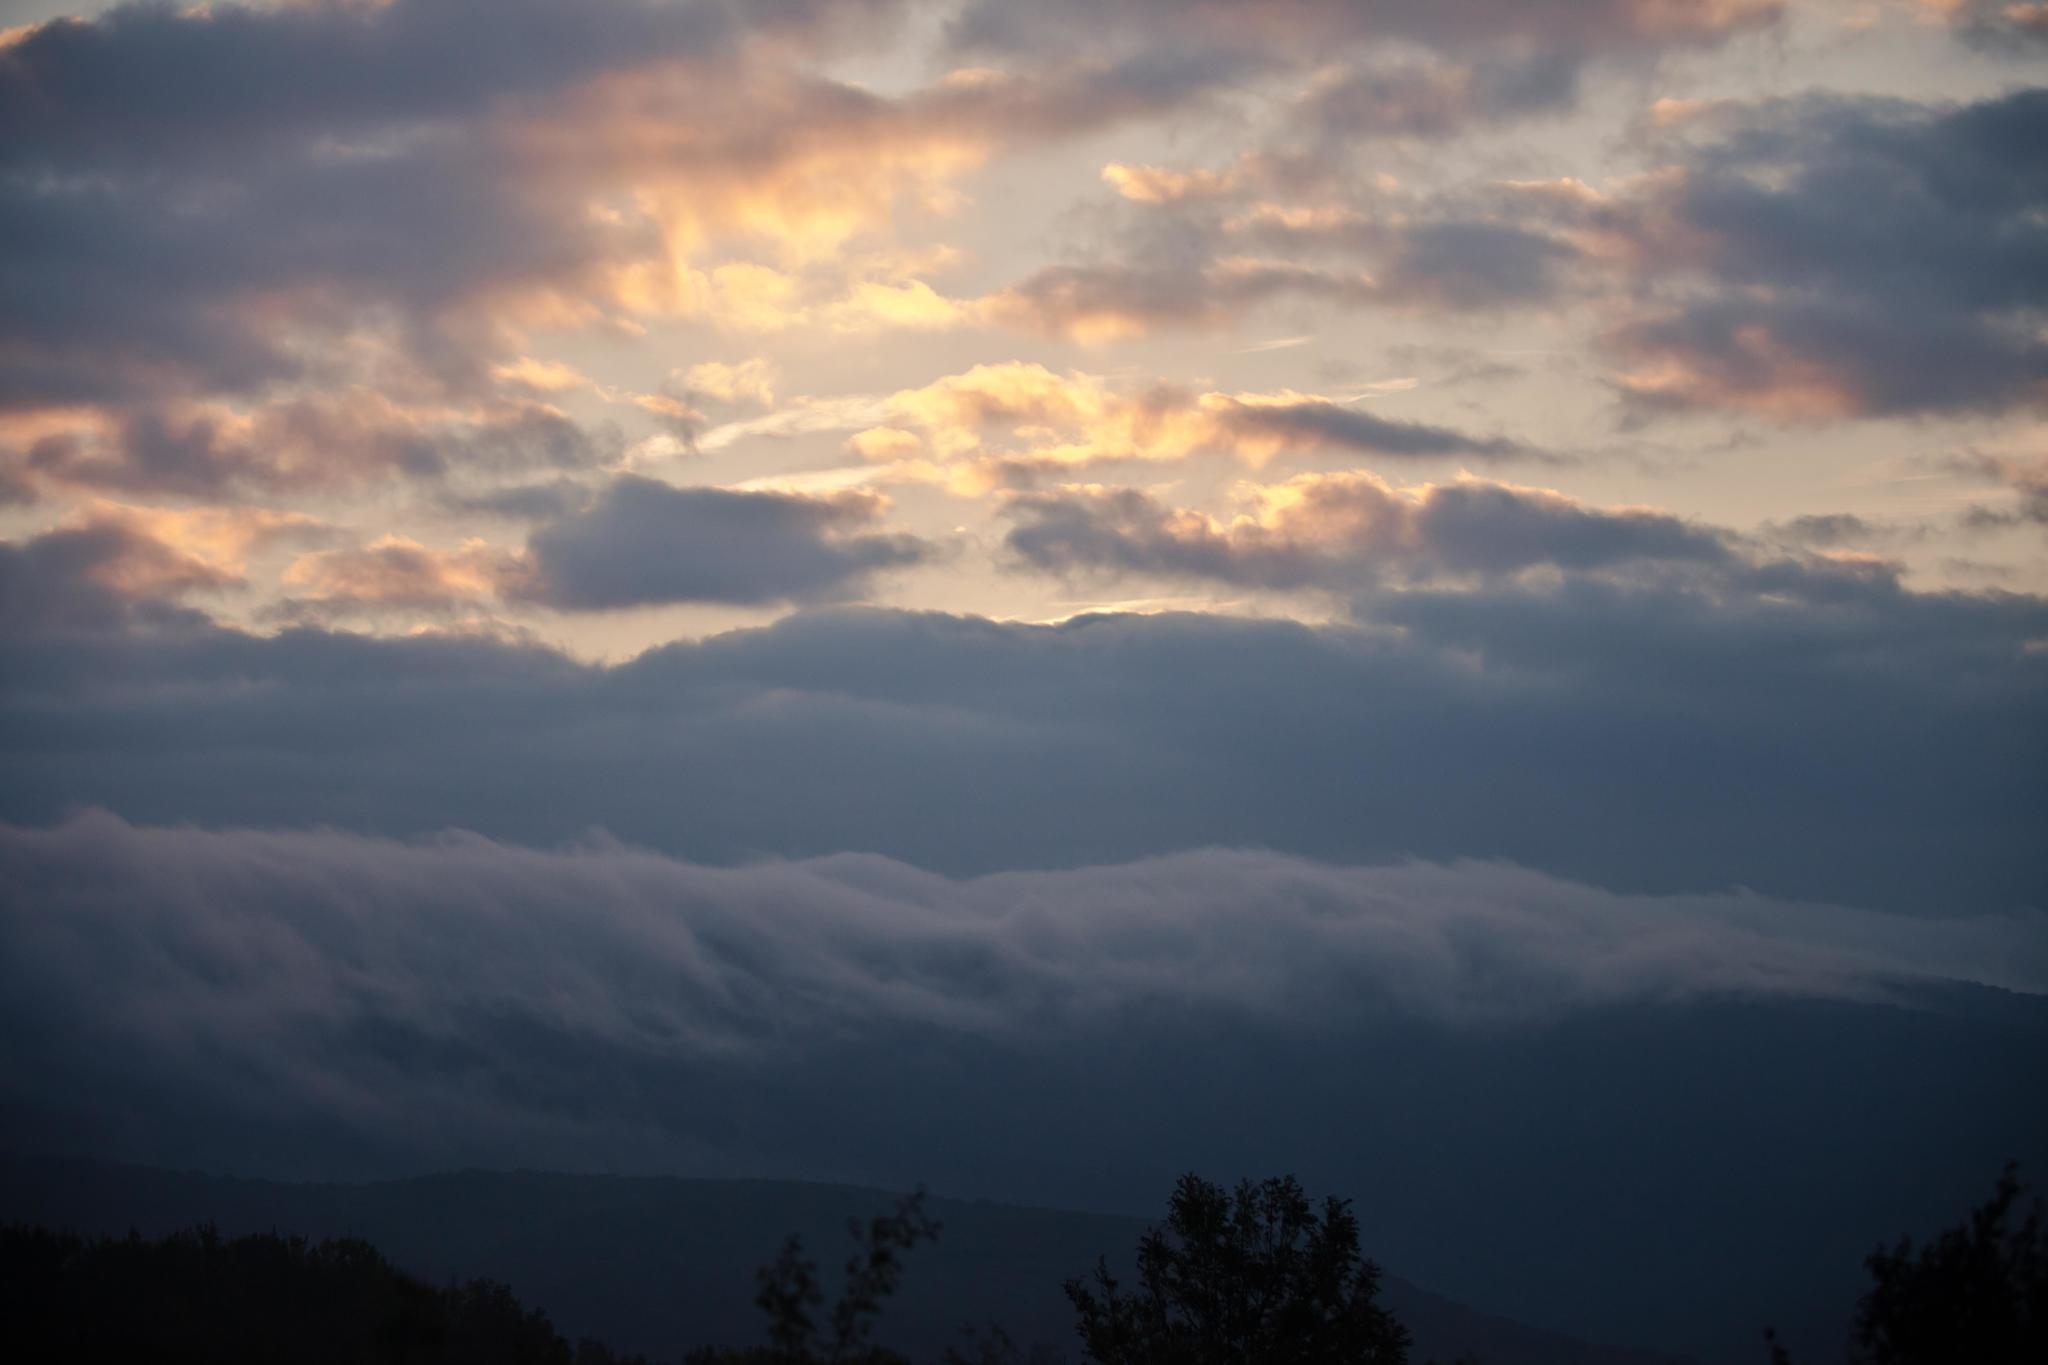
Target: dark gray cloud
{"points": [[1202, 261], [1345, 532], [1110, 298], [16, 488], [1492, 528], [643, 542], [1123, 530], [551, 500], [1375, 67], [1487, 61], [1841, 530], [145, 282], [1669, 731], [144, 81], [1836, 256], [1471, 263], [97, 576], [1202, 248], [1312, 25], [1435, 99], [345, 439], [1345, 427], [1085, 93], [2025, 480], [2005, 27]]}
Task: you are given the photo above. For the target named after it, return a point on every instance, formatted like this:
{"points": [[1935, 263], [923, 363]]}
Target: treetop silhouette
{"points": [[1256, 1274]]}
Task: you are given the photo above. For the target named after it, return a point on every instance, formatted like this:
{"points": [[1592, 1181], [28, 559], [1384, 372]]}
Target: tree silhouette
{"points": [[790, 1297], [1251, 1277], [1976, 1293]]}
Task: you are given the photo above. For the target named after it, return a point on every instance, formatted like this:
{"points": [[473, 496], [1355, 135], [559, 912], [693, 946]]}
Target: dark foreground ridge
{"points": [[653, 1266], [203, 1298]]}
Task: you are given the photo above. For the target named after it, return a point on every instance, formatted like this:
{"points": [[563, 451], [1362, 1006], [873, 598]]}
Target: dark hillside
{"points": [[656, 1265]]}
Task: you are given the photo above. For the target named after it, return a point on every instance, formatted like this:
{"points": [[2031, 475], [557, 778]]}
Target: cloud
{"points": [[1524, 56], [1834, 256], [1840, 530], [111, 565], [343, 980], [1017, 421], [853, 935], [318, 1003], [203, 200], [92, 576], [548, 500], [633, 542], [393, 573], [1104, 302], [803, 415], [749, 381], [1343, 532], [1674, 730], [1434, 98], [144, 282], [643, 542], [143, 80], [1314, 24], [1202, 248], [1083, 92], [1293, 421], [343, 439], [2003, 27], [542, 376], [1805, 259], [233, 202], [681, 401], [2026, 480], [269, 199]]}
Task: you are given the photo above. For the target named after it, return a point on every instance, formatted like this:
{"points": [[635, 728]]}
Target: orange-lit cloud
{"points": [[541, 376], [395, 573], [747, 381], [1751, 370], [124, 556], [998, 423]]}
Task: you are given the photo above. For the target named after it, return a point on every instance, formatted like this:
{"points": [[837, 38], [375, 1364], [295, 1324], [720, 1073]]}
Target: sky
{"points": [[977, 552]]}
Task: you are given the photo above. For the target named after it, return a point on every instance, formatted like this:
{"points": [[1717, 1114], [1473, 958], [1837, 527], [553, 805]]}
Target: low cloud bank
{"points": [[1497, 1062], [331, 976]]}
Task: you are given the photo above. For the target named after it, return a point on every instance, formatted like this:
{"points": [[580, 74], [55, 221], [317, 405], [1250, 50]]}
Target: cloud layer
{"points": [[349, 980], [1461, 1046], [1703, 726], [1802, 258], [1345, 532]]}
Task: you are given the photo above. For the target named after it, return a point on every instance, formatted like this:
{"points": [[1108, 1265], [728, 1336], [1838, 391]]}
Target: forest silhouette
{"points": [[1258, 1273]]}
